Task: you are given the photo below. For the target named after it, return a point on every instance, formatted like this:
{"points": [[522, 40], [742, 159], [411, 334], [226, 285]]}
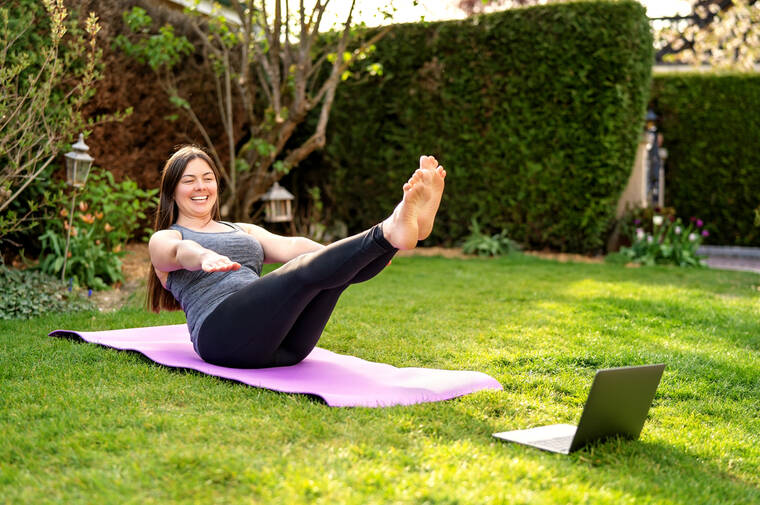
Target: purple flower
{"points": [[637, 221], [705, 233], [699, 223], [692, 219]]}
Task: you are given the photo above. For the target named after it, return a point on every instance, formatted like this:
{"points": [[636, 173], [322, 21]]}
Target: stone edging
{"points": [[730, 251]]}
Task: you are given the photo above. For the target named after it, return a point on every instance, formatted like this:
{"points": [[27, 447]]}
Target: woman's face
{"points": [[196, 193]]}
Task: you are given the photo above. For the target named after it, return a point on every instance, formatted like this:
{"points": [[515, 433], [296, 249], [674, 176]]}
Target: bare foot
{"points": [[434, 175], [412, 220]]}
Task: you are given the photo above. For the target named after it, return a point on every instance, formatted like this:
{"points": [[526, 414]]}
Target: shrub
{"points": [[49, 67], [669, 242], [498, 244], [711, 128], [29, 293], [107, 215], [535, 113]]}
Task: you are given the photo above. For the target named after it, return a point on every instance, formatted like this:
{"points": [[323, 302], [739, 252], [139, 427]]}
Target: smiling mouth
{"points": [[199, 198]]}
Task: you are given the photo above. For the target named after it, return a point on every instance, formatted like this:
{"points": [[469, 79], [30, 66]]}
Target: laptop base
{"points": [[552, 438]]}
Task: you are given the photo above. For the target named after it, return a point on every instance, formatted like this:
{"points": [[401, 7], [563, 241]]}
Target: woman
{"points": [[211, 269]]}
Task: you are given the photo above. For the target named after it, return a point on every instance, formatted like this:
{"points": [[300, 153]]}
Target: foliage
{"points": [[163, 49], [711, 128], [269, 70], [48, 67], [535, 113], [643, 218], [106, 217], [669, 242], [721, 36], [30, 293], [123, 206], [483, 244]]}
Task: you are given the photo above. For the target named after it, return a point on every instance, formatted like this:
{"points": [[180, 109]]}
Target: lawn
{"points": [[84, 424]]}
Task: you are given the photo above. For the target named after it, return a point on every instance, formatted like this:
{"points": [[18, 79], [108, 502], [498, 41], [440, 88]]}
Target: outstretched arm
{"points": [[168, 252], [279, 249]]}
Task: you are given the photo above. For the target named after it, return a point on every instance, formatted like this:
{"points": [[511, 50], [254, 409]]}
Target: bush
{"points": [[49, 67], [668, 242], [498, 244], [711, 128], [106, 217], [30, 293], [535, 113]]}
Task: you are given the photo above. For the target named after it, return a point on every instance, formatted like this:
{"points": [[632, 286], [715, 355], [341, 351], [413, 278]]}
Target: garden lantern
{"points": [[651, 120], [78, 164], [655, 175], [278, 204]]}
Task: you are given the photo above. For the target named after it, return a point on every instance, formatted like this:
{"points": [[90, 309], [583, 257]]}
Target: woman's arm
{"points": [[168, 252], [279, 249]]}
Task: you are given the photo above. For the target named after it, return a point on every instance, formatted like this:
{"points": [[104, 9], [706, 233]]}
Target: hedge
{"points": [[535, 113], [711, 128]]}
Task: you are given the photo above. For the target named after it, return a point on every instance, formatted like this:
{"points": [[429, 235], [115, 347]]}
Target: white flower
{"points": [[657, 220], [692, 237], [639, 233], [650, 238], [677, 230]]}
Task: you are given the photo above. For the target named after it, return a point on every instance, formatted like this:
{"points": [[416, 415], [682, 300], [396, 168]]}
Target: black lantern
{"points": [[279, 204], [655, 175], [78, 164], [651, 119]]}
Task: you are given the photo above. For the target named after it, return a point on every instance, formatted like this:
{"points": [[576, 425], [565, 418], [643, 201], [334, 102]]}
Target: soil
{"points": [[135, 267]]}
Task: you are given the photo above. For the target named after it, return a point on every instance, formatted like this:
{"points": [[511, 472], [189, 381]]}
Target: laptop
{"points": [[617, 404]]}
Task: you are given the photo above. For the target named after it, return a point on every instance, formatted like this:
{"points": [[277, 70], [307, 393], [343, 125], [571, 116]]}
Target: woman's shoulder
{"points": [[167, 234], [250, 228]]}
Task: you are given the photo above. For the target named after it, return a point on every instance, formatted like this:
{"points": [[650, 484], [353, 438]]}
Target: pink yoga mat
{"points": [[340, 380]]}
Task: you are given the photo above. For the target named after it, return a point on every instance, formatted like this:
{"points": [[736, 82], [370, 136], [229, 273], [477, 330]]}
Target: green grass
{"points": [[85, 424]]}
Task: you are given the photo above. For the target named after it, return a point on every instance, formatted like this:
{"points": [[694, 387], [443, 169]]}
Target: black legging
{"points": [[278, 319]]}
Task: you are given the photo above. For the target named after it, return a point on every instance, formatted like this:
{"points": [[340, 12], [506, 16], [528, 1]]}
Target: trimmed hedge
{"points": [[711, 128], [535, 113]]}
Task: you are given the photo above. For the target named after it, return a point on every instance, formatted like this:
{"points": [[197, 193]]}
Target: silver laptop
{"points": [[617, 404]]}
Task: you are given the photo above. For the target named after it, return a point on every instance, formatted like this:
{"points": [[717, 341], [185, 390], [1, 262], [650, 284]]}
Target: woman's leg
{"points": [[248, 328], [285, 309], [306, 331]]}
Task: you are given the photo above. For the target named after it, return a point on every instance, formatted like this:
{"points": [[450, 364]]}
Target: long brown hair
{"points": [[158, 297]]}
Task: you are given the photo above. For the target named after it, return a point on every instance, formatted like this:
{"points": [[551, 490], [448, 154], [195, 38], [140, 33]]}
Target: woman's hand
{"points": [[213, 262]]}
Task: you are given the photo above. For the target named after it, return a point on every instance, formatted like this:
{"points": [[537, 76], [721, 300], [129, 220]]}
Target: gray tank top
{"points": [[199, 292]]}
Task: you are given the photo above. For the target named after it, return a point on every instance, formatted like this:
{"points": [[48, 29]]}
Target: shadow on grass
{"points": [[638, 468], [659, 470]]}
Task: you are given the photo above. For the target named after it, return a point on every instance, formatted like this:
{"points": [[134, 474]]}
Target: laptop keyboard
{"points": [[560, 444]]}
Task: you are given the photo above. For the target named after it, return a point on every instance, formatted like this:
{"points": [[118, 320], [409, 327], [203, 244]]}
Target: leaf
{"points": [[177, 101]]}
